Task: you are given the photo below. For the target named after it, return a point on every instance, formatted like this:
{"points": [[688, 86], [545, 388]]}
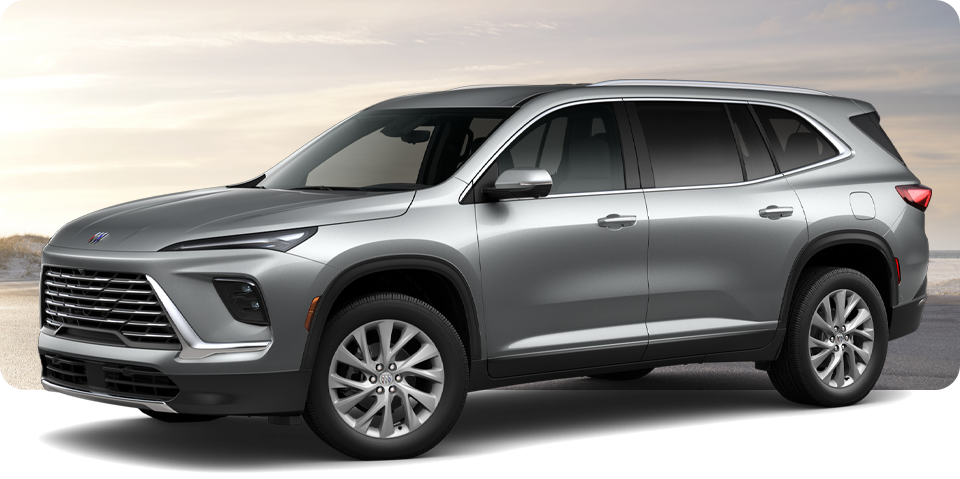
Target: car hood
{"points": [[154, 223]]}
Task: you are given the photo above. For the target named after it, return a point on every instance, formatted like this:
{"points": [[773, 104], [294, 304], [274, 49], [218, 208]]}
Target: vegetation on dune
{"points": [[21, 251]]}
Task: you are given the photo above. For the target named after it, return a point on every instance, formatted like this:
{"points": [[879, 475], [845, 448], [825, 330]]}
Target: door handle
{"points": [[774, 212], [615, 221]]}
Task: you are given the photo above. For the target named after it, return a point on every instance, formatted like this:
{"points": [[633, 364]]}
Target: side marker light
{"points": [[313, 308]]}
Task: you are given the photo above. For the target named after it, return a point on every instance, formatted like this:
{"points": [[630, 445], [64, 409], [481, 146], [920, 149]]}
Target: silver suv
{"points": [[448, 242]]}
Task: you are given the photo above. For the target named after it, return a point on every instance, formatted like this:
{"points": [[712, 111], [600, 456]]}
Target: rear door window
{"points": [[795, 143], [689, 143]]}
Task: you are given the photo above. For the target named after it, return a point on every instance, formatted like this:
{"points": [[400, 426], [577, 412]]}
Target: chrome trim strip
{"points": [[146, 323], [134, 311], [71, 286], [131, 301], [722, 185], [131, 291], [73, 276], [711, 84], [192, 347], [74, 306], [84, 318], [70, 296], [146, 335], [158, 406]]}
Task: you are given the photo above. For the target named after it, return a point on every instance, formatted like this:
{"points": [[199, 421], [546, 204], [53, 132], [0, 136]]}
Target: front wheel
{"points": [[390, 378], [836, 340]]}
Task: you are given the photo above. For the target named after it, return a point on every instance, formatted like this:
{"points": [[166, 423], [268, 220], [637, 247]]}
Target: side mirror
{"points": [[520, 183]]}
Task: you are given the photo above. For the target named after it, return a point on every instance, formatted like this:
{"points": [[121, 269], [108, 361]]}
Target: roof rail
{"points": [[710, 84]]}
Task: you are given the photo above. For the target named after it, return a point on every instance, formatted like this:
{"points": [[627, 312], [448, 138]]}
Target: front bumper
{"points": [[278, 393], [223, 367]]}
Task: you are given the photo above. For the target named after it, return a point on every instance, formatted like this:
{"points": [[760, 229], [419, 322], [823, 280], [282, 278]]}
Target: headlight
{"points": [[274, 240]]}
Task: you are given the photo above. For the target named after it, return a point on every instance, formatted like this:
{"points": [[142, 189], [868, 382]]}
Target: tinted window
{"points": [[689, 143], [794, 142], [578, 146], [756, 158], [870, 124], [389, 150]]}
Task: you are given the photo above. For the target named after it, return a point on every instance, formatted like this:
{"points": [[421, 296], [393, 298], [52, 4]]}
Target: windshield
{"points": [[389, 150]]}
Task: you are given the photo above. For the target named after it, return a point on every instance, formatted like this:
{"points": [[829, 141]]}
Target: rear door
{"points": [[725, 228]]}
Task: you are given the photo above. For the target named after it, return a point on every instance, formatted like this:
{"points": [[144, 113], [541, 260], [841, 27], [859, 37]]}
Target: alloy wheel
{"points": [[386, 379], [841, 338]]}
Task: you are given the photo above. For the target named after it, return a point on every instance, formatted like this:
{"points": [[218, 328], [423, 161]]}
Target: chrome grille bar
{"points": [[74, 306], [146, 335], [85, 318], [72, 296]]}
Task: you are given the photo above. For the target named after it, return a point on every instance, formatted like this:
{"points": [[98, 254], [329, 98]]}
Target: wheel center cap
{"points": [[839, 338], [386, 379]]}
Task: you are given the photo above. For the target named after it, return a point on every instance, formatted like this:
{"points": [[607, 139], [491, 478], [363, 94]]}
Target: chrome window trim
{"points": [[521, 130], [573, 195], [192, 347], [158, 406], [722, 185], [845, 152], [711, 84]]}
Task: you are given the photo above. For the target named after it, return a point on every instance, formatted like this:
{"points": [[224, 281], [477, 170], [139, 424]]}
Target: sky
{"points": [[103, 102]]}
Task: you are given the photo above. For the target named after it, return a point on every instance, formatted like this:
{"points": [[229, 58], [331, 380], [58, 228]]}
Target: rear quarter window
{"points": [[794, 142]]}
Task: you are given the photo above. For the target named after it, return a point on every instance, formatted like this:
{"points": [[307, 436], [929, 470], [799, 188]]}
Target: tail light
{"points": [[917, 196]]}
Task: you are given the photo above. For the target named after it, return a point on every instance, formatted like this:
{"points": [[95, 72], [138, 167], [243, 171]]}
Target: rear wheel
{"points": [[390, 379], [178, 418], [836, 341], [623, 375]]}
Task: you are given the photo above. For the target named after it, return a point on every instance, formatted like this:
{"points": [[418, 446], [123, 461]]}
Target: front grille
{"points": [[120, 380], [105, 307]]}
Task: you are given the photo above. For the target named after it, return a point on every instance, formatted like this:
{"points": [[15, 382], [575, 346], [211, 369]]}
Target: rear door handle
{"points": [[615, 221], [774, 212]]}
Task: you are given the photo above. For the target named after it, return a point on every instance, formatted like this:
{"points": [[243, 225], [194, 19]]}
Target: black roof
{"points": [[466, 97]]}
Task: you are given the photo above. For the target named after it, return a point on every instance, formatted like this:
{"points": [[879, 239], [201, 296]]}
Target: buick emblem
{"points": [[97, 237]]}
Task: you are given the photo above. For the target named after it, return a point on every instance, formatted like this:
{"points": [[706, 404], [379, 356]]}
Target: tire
{"points": [[623, 375], [819, 365], [438, 382]]}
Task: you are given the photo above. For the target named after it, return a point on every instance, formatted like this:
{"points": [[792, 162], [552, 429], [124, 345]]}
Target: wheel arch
{"points": [[856, 249], [333, 296]]}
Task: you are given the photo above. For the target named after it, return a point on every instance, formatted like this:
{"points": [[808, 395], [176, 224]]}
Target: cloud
{"points": [[491, 28], [228, 39], [49, 82], [771, 25], [845, 11]]}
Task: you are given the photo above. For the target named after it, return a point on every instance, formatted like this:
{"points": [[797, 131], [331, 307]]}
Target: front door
{"points": [[564, 276]]}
